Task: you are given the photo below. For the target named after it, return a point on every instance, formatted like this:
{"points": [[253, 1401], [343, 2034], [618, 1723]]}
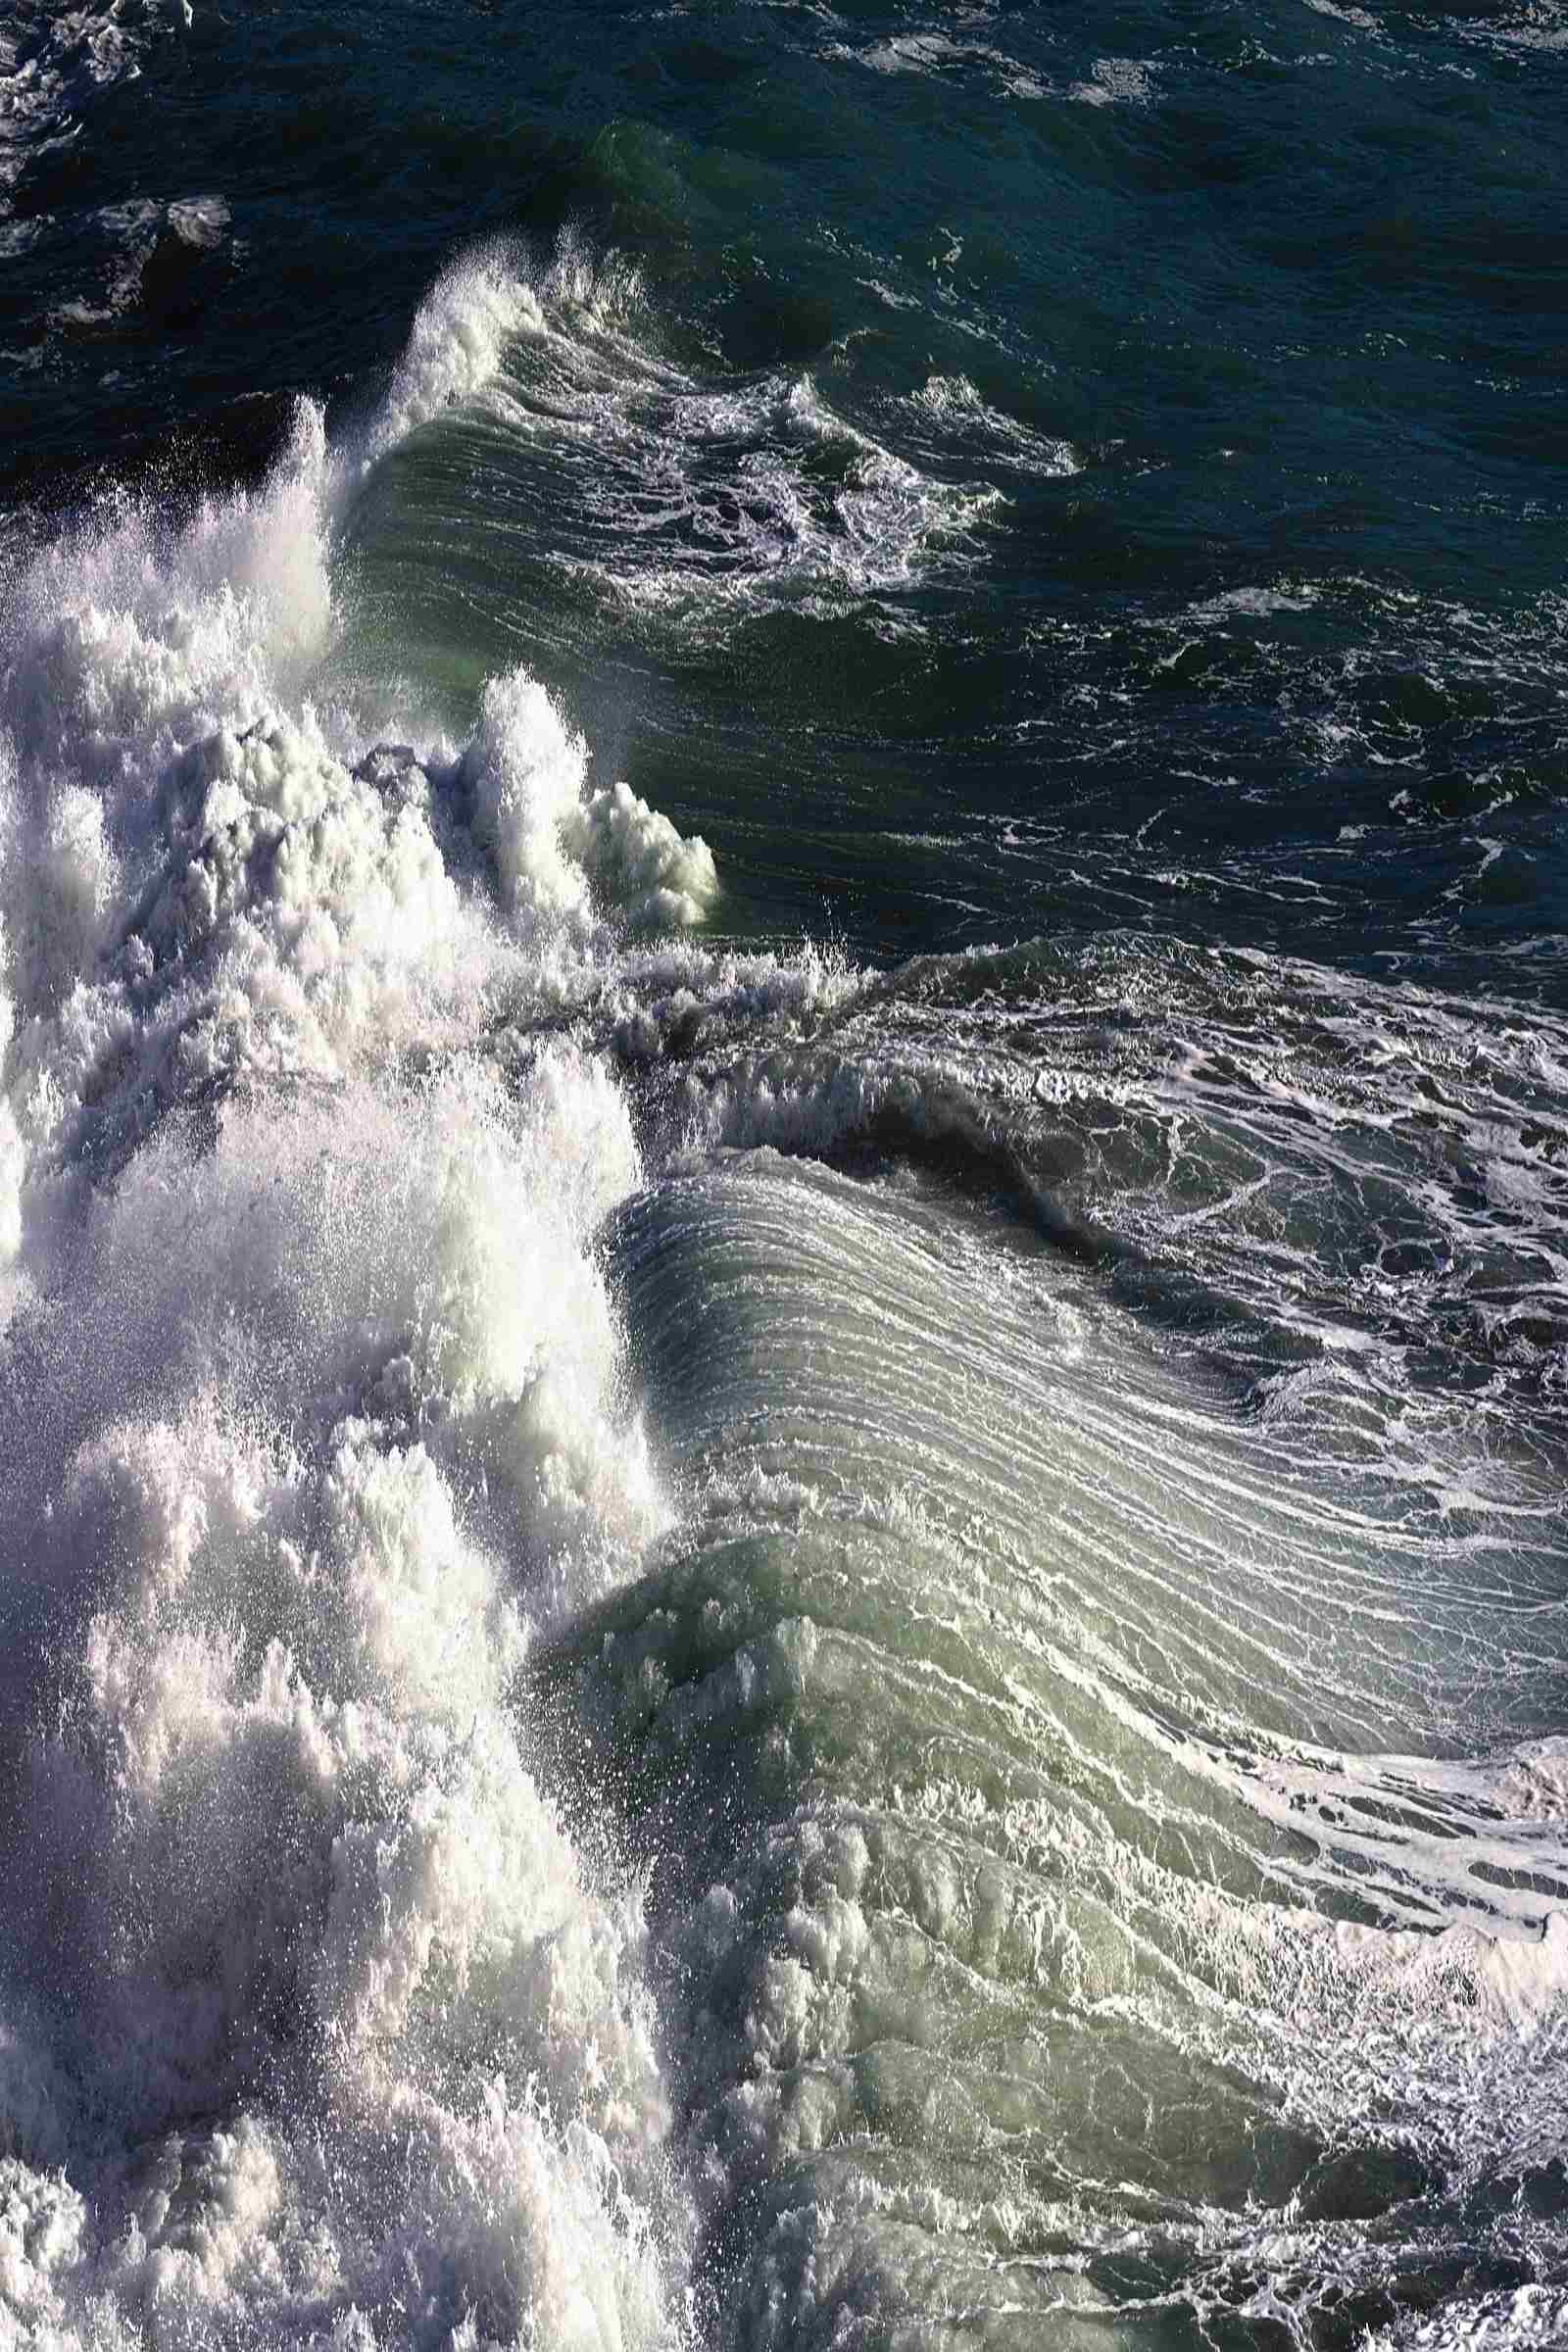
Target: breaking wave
{"points": [[708, 1648]]}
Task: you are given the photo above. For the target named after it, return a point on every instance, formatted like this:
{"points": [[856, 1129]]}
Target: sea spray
{"points": [[319, 2022]]}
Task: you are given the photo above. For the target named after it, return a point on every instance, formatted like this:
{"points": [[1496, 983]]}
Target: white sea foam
{"points": [[720, 502], [132, 234], [936, 53], [952, 403], [320, 2024], [1115, 81], [328, 2016], [203, 877], [552, 841], [1047, 1955], [671, 490], [49, 54], [1008, 1717], [478, 307], [1256, 604]]}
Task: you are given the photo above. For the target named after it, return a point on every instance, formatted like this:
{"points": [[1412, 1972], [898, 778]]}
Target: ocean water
{"points": [[783, 1176]]}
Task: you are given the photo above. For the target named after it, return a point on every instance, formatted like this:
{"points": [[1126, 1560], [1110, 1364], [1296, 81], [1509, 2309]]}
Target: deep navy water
{"points": [[783, 1165], [1225, 347]]}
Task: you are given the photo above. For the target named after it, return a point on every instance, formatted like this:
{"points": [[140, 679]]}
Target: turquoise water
{"points": [[785, 1099]]}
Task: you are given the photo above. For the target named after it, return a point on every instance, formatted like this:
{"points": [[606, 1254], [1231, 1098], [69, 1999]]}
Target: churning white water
{"points": [[318, 2021], [630, 1716]]}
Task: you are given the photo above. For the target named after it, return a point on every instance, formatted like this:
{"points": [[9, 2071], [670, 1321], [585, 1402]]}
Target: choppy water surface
{"points": [[782, 1177]]}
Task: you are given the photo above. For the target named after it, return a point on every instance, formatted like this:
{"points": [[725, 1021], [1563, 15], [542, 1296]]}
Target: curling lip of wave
{"points": [[666, 491]]}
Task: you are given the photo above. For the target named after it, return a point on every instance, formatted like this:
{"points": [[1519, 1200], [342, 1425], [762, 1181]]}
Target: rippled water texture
{"points": [[783, 1162]]}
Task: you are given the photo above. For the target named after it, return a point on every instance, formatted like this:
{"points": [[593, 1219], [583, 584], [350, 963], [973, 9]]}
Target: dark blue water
{"points": [[809, 1592], [1226, 345]]}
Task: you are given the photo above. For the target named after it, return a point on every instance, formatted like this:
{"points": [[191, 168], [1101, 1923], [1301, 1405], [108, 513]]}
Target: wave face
{"points": [[652, 1694], [783, 1152]]}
